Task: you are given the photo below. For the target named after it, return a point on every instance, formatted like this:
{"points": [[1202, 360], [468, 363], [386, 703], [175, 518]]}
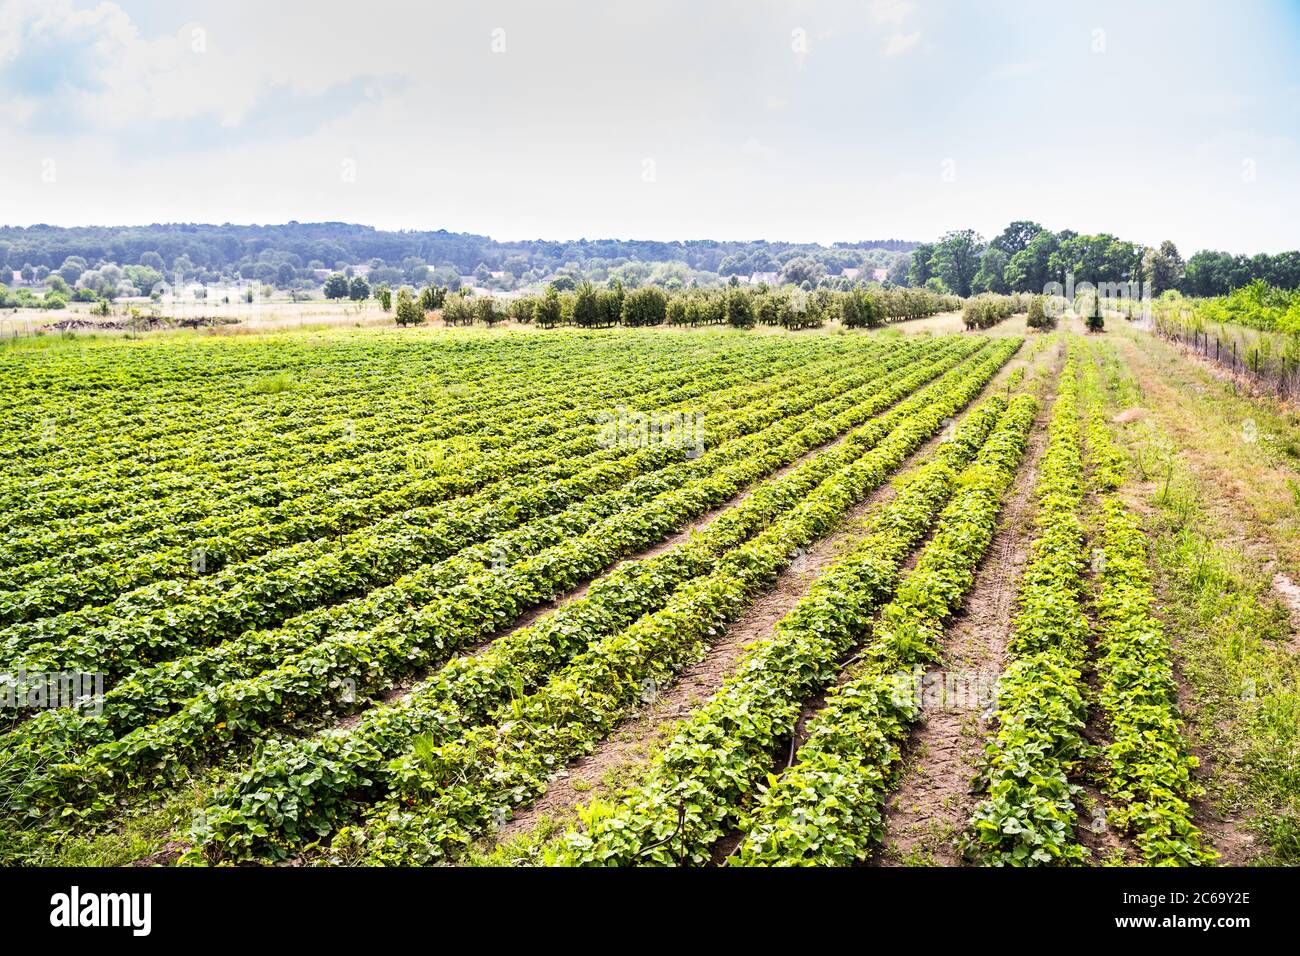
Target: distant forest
{"points": [[92, 262], [284, 254]]}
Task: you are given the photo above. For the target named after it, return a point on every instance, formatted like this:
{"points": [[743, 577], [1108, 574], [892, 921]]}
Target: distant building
{"points": [[851, 274], [322, 274], [880, 275], [771, 278]]}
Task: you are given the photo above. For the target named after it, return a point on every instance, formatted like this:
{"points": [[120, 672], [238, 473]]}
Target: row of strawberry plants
{"points": [[136, 422], [449, 794], [1028, 815], [697, 786], [827, 810], [1148, 773], [394, 466], [77, 454], [331, 511], [304, 789], [151, 692], [474, 419], [482, 603], [155, 622]]}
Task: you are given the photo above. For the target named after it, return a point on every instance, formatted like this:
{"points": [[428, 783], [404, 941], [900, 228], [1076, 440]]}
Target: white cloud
{"points": [[891, 11], [901, 43], [92, 69]]}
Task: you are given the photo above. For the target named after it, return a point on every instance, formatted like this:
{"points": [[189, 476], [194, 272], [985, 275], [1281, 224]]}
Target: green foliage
{"points": [[337, 286], [987, 310], [1039, 317], [645, 306], [1027, 817], [408, 310]]}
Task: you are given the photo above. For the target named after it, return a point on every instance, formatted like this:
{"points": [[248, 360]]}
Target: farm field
{"points": [[701, 597]]}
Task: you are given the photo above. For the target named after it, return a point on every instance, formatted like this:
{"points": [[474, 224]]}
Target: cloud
{"points": [[901, 42], [891, 11], [70, 70]]}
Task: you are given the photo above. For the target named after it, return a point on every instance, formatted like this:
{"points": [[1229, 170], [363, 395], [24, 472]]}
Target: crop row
{"points": [[150, 691], [368, 428], [1028, 815], [696, 788], [447, 794], [827, 809], [336, 379], [124, 562], [1148, 773], [483, 602], [158, 621], [307, 787], [200, 429]]}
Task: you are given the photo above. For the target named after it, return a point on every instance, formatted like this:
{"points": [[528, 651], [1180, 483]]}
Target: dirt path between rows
{"points": [[925, 816], [621, 757]]}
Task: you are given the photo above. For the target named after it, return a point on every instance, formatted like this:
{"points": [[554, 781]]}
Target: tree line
{"points": [[289, 254], [587, 306], [1026, 257]]}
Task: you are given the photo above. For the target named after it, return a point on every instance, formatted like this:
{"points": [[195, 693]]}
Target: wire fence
{"points": [[1260, 365]]}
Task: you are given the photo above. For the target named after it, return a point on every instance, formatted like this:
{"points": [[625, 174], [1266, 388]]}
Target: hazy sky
{"points": [[660, 119]]}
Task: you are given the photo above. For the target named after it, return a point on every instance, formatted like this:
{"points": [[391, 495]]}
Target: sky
{"points": [[660, 119]]}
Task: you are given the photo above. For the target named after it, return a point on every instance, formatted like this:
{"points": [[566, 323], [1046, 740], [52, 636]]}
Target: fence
{"points": [[1278, 374]]}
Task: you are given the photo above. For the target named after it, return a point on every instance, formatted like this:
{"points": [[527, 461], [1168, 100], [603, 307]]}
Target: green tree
{"points": [[408, 310], [337, 286], [549, 312], [1163, 267], [645, 306], [358, 289], [740, 309], [803, 269], [587, 312], [1016, 237], [991, 277], [74, 266], [957, 259], [1029, 270], [1039, 318], [920, 269], [432, 298]]}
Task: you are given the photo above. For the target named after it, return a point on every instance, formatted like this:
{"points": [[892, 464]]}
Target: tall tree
{"points": [[1163, 267], [957, 259], [921, 268], [991, 277], [1016, 236]]}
